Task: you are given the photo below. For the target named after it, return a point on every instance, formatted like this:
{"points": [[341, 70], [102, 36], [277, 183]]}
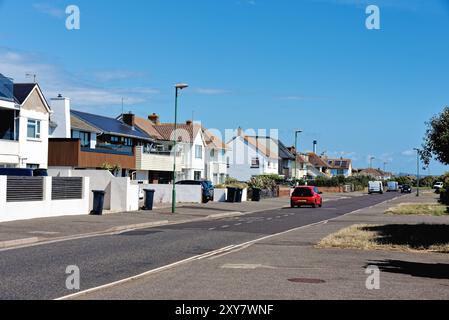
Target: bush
{"points": [[232, 183], [265, 182]]}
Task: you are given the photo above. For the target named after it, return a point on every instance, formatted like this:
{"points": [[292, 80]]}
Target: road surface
{"points": [[38, 272]]}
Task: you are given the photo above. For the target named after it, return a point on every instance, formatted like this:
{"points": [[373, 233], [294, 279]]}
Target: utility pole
{"points": [[371, 162]]}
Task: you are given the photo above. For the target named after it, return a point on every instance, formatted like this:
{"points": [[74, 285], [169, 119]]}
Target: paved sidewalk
{"points": [[265, 270]]}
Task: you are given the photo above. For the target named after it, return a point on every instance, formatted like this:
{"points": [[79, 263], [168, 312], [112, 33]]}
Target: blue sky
{"points": [[283, 64]]}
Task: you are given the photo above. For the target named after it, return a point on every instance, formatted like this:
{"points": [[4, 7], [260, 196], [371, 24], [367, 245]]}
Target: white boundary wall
{"points": [[184, 194], [12, 211], [121, 195]]}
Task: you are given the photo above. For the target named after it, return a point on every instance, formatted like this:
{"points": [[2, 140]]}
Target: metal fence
{"points": [[21, 189], [66, 188]]}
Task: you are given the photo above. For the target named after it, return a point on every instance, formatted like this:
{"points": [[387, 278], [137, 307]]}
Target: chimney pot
{"points": [[154, 118], [189, 122]]}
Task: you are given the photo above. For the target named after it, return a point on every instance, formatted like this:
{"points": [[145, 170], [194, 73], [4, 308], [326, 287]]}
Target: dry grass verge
{"points": [[432, 209], [422, 238]]}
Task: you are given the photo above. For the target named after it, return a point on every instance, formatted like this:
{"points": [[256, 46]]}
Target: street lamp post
{"points": [[178, 87], [371, 162], [417, 171], [296, 154]]}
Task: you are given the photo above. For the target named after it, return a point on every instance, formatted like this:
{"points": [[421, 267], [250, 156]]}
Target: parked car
{"points": [[393, 186], [40, 173], [375, 187], [206, 186], [16, 172], [406, 189], [306, 195], [438, 186]]}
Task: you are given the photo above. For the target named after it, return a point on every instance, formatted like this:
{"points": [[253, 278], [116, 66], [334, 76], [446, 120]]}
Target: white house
{"points": [[216, 158], [24, 125], [251, 156], [202, 153]]}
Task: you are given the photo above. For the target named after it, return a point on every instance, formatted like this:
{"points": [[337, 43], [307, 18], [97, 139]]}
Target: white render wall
{"points": [[33, 151], [12, 211], [61, 116], [184, 194], [240, 158], [121, 195]]}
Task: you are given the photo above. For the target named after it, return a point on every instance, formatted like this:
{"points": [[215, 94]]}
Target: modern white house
{"points": [[216, 158], [24, 125], [252, 156], [191, 146]]}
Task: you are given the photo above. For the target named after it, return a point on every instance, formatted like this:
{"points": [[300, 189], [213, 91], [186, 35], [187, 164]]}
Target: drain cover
{"points": [[306, 280]]}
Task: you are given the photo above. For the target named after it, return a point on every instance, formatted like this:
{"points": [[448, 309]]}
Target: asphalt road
{"points": [[38, 272]]}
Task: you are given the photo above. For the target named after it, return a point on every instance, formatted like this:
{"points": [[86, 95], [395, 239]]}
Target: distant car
{"points": [[406, 189], [207, 188], [306, 196], [438, 186], [393, 186], [375, 187]]}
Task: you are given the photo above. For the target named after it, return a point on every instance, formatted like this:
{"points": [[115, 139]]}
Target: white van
{"points": [[393, 186], [375, 187]]}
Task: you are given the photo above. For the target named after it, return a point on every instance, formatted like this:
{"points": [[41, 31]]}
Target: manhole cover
{"points": [[306, 280]]}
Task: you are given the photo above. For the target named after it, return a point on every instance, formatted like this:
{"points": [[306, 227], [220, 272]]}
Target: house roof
{"points": [[317, 161], [339, 163], [148, 127], [23, 90], [267, 146], [186, 132], [110, 125], [284, 152], [374, 172], [213, 141], [78, 124]]}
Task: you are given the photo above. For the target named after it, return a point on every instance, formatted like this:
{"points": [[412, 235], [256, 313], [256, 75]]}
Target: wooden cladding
{"points": [[68, 153]]}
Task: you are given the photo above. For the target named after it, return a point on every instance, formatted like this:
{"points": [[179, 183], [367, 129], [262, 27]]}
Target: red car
{"points": [[306, 196]]}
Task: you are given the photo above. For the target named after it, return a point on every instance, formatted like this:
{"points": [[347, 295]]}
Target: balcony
{"points": [[69, 153], [149, 160]]}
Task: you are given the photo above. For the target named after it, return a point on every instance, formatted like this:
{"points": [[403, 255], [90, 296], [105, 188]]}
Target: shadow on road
{"points": [[415, 269], [414, 236]]}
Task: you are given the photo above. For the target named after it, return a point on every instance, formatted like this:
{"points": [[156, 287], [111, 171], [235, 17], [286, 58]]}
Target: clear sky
{"points": [[284, 64]]}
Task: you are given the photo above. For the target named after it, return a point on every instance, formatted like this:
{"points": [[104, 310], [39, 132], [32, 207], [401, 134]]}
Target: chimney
{"points": [[240, 132], [189, 122], [60, 117], [129, 119], [314, 146], [154, 118]]}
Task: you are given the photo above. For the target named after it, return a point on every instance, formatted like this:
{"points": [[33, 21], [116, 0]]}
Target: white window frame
{"points": [[37, 128], [198, 151]]}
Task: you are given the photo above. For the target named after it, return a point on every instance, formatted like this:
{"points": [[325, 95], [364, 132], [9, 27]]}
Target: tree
{"points": [[436, 142]]}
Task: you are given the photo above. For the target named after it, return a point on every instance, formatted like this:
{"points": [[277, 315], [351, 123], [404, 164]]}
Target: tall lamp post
{"points": [[371, 162], [417, 170], [178, 87], [296, 153]]}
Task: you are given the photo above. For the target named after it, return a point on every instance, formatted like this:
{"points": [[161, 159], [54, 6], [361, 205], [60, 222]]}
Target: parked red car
{"points": [[306, 196]]}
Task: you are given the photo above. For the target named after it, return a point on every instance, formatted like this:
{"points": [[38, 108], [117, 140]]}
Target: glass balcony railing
{"points": [[111, 148], [6, 88]]}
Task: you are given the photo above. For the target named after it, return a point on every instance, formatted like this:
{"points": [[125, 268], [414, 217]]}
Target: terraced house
{"points": [[24, 125]]}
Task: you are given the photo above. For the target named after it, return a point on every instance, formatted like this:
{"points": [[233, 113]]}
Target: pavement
{"points": [[39, 271], [288, 266], [26, 232]]}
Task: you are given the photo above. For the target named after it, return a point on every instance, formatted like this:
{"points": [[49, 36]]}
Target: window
{"points": [[199, 152], [255, 163], [34, 129], [115, 139], [197, 175], [32, 166], [85, 139], [212, 153], [128, 142]]}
